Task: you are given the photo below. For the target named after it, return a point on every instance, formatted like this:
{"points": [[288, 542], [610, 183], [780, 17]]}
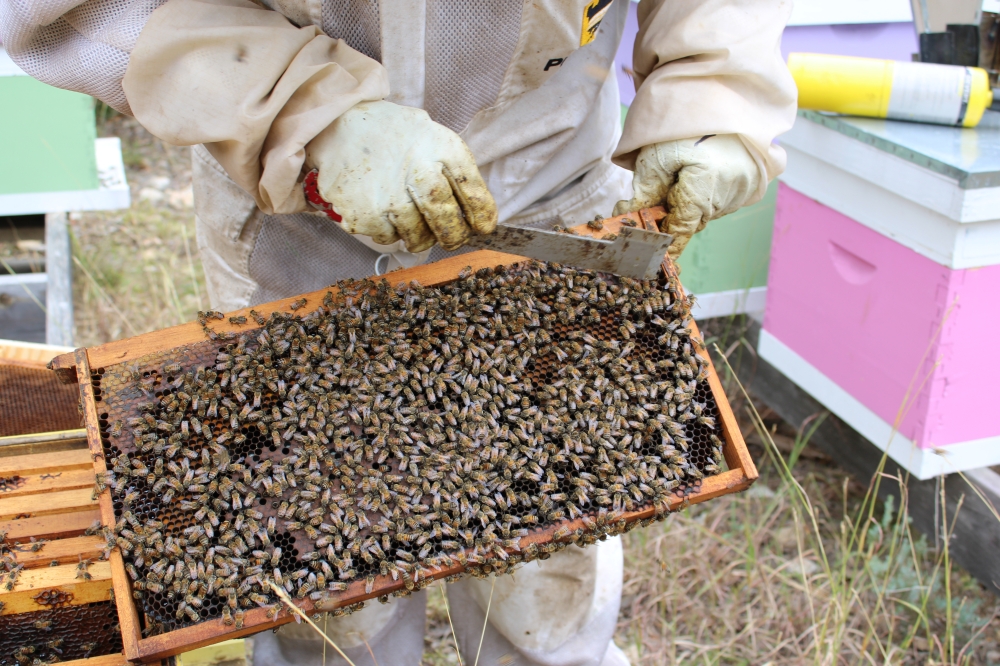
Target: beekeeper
{"points": [[426, 121]]}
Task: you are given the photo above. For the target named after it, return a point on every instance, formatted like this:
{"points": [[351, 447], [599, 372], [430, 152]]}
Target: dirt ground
{"points": [[760, 578]]}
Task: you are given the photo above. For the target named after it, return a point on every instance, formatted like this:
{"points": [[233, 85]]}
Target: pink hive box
{"points": [[883, 335]]}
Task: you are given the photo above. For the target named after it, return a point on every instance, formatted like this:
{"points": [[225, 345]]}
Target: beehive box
{"points": [[884, 269], [60, 164], [887, 339], [46, 502], [46, 483], [725, 264], [115, 377], [46, 506], [32, 400]]}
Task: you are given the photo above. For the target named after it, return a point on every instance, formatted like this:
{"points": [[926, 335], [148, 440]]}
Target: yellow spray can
{"points": [[917, 91]]}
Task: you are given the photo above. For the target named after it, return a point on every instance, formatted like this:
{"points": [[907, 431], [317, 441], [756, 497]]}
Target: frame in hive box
{"points": [[103, 372], [48, 510]]}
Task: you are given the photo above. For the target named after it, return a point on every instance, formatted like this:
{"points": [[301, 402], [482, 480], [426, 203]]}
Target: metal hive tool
{"points": [[152, 627]]}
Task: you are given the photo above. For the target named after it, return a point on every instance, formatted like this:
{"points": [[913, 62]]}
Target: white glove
{"points": [[392, 173], [696, 179]]}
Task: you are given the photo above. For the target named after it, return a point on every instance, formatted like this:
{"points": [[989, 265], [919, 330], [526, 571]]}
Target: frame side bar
{"points": [[128, 617]]}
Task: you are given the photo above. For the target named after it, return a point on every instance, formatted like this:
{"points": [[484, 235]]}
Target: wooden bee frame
{"points": [[87, 365]]}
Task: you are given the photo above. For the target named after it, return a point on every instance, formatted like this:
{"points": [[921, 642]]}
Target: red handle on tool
{"points": [[310, 186]]}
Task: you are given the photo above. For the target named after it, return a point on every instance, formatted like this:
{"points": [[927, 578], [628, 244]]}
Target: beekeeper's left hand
{"points": [[697, 180]]}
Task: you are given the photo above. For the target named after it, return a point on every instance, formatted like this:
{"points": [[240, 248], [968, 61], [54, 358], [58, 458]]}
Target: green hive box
{"points": [[50, 158], [725, 265], [51, 161], [46, 138]]}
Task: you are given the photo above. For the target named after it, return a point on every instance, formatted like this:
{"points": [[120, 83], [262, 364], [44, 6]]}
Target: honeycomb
{"points": [[61, 634], [119, 391], [33, 400]]}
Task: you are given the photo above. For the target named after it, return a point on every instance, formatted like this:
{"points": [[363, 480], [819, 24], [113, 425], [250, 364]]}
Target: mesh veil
{"points": [[469, 45], [356, 22], [85, 46], [304, 252]]}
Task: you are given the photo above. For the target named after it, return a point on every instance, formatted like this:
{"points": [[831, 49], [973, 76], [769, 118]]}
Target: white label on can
{"points": [[927, 93]]}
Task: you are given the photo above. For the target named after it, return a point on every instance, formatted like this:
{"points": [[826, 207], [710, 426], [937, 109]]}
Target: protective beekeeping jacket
{"points": [[528, 84]]}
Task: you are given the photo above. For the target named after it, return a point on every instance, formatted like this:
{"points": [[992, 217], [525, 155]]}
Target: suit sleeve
{"points": [[250, 85], [75, 44], [711, 67], [230, 74]]}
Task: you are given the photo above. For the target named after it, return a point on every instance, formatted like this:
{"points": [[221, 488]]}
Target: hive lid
{"points": [[968, 156]]}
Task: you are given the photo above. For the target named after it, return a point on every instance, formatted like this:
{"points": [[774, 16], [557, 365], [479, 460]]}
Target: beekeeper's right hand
{"points": [[392, 173]]}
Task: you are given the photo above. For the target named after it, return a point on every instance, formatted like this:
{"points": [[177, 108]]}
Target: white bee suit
{"points": [[528, 86], [538, 110], [543, 150], [557, 612]]}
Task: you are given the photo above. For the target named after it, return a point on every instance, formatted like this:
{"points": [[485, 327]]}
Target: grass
{"points": [[137, 270], [807, 567]]}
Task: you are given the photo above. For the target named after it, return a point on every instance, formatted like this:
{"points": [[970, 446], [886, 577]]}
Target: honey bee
{"points": [[379, 483]]}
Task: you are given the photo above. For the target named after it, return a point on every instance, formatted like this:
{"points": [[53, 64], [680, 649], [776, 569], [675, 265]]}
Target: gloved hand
{"points": [[392, 173], [696, 179]]}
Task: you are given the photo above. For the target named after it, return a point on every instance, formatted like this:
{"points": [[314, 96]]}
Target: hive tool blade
{"points": [[635, 253]]}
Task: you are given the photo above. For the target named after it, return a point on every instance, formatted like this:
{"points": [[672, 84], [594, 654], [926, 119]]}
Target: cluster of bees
{"points": [[52, 649], [397, 431], [597, 224], [10, 569], [46, 648], [8, 483]]}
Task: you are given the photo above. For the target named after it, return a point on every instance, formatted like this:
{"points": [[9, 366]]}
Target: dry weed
{"points": [[138, 270]]}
